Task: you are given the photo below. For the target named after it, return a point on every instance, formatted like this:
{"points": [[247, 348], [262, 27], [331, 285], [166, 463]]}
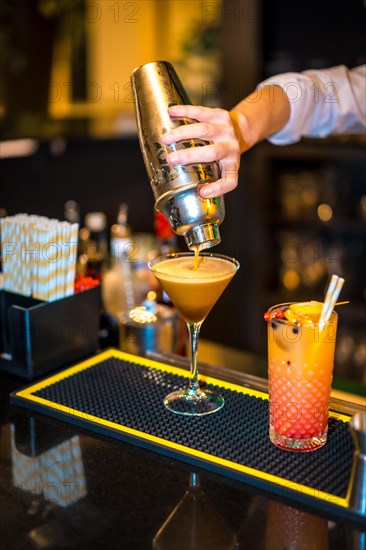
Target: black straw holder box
{"points": [[37, 337]]}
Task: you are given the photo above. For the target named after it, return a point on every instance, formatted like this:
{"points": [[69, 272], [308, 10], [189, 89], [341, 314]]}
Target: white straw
{"points": [[334, 289]]}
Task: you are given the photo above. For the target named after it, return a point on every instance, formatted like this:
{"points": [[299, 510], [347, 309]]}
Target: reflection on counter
{"points": [[280, 526], [45, 502], [195, 524], [288, 527], [57, 475]]}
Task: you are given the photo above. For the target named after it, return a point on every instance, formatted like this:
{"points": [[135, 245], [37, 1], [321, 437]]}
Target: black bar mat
{"points": [[121, 395]]}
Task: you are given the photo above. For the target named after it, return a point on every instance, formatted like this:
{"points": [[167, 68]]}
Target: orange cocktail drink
{"points": [[300, 372], [194, 287], [194, 292]]}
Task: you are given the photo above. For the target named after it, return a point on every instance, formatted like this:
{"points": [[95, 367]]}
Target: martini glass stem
{"points": [[194, 331]]}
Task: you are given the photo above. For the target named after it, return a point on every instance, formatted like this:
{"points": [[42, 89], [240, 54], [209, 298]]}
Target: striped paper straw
{"points": [[38, 256], [35, 258], [43, 263], [26, 253], [52, 259], [9, 261], [71, 258], [5, 222], [13, 265]]}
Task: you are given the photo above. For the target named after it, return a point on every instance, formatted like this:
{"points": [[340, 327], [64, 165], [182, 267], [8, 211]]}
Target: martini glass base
{"points": [[194, 404]]}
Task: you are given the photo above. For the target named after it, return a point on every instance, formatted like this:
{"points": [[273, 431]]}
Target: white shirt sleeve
{"points": [[323, 102]]}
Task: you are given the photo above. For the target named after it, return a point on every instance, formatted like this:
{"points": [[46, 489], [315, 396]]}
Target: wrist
{"points": [[261, 114], [244, 130]]}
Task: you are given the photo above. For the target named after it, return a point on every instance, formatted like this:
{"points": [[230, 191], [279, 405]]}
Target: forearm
{"points": [[259, 115], [322, 103]]}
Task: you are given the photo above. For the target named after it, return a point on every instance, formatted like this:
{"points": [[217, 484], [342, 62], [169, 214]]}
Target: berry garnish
{"points": [[84, 283], [276, 314]]}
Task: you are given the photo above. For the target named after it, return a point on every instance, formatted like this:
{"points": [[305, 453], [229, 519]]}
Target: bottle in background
{"points": [[95, 243], [72, 215], [164, 233], [167, 240], [118, 282], [72, 212], [120, 237]]}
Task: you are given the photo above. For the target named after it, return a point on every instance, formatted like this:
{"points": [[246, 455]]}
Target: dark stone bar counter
{"points": [[63, 486]]}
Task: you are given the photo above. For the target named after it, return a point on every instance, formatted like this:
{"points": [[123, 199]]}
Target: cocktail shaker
{"points": [[156, 87]]}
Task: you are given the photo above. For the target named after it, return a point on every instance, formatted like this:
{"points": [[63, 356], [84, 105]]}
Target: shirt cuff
{"points": [[290, 133]]}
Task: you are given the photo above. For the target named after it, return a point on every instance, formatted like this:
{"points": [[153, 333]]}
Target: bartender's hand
{"points": [[232, 133], [217, 127]]}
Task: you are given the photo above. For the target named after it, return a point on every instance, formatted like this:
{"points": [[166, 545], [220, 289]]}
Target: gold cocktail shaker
{"points": [[156, 87]]}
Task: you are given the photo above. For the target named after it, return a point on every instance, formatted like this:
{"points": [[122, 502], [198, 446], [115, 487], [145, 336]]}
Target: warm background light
{"points": [[120, 37], [325, 212]]}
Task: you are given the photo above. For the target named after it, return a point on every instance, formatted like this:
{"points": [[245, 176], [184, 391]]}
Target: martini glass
{"points": [[194, 292]]}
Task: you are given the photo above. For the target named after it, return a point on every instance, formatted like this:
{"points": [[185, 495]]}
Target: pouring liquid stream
{"points": [[196, 258]]}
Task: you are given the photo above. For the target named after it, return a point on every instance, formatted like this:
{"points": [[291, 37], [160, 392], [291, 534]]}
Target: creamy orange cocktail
{"points": [[194, 283], [300, 371], [194, 292]]}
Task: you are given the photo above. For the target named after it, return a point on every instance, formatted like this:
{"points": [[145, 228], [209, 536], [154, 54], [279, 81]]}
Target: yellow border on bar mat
{"points": [[290, 486]]}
